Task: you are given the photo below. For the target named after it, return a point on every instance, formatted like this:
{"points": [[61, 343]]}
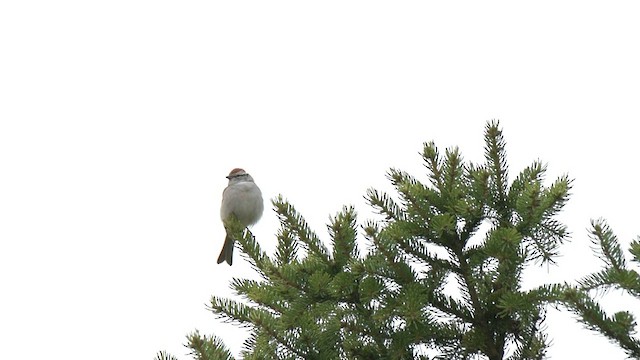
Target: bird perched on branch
{"points": [[242, 198]]}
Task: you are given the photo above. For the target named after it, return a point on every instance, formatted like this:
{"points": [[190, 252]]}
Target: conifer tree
{"points": [[439, 276], [490, 315]]}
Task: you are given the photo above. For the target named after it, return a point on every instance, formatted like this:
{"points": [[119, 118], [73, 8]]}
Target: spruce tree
{"points": [[438, 226], [438, 276]]}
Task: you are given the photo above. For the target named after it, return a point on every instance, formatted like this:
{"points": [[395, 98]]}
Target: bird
{"points": [[242, 198]]}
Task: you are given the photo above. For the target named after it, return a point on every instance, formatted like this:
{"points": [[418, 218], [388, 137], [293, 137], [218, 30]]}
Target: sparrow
{"points": [[242, 198]]}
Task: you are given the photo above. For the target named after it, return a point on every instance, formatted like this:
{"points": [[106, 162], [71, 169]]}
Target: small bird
{"points": [[242, 197]]}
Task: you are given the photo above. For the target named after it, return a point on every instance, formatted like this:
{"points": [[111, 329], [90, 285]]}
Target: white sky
{"points": [[120, 119]]}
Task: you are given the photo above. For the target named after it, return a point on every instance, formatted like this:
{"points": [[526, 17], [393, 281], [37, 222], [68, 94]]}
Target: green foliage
{"points": [[205, 347], [440, 276], [163, 355], [621, 326], [445, 216]]}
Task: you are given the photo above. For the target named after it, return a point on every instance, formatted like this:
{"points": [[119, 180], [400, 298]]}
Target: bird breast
{"points": [[244, 200]]}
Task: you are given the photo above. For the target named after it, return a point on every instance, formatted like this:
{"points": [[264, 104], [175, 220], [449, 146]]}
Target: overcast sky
{"points": [[119, 121]]}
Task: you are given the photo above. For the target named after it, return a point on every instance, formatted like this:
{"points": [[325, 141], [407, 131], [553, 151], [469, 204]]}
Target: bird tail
{"points": [[227, 251]]}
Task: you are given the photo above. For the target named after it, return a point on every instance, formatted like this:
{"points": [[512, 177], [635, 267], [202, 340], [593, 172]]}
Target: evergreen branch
{"points": [[259, 345], [528, 206], [536, 207], [433, 163], [388, 261], [163, 355], [493, 326], [375, 263], [530, 175], [476, 182], [292, 220], [362, 329], [603, 279], [269, 329], [287, 248], [410, 302], [384, 205], [267, 324], [231, 310], [478, 179], [207, 347], [607, 245], [544, 241], [634, 249], [409, 236], [617, 328], [549, 234], [418, 248], [533, 348], [343, 233], [615, 274], [624, 279], [288, 279], [453, 172], [399, 178], [452, 307], [253, 252], [417, 199], [469, 286], [496, 158], [477, 256], [556, 196], [261, 293], [422, 204]]}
